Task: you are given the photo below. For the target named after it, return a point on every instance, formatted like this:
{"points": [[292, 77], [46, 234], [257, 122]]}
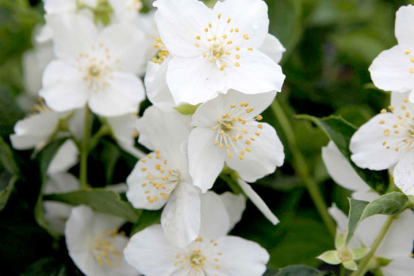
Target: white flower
{"points": [[393, 255], [57, 213], [393, 69], [227, 131], [126, 10], [216, 50], [212, 253], [123, 129], [94, 67], [341, 170], [65, 158], [387, 140], [95, 245], [163, 177]]}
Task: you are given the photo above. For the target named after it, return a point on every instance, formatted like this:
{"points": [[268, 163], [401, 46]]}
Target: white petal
{"points": [[180, 218], [367, 146], [34, 130], [123, 41], [215, 221], [63, 87], [179, 22], [404, 173], [235, 206], [398, 99], [258, 201], [250, 16], [77, 122], [206, 160], [341, 170], [369, 229], [403, 27], [266, 154], [399, 239], [156, 84], [153, 128], [257, 74], [241, 257], [340, 218], [139, 187], [391, 70], [366, 195], [399, 267], [194, 80], [124, 94], [59, 6], [90, 3], [151, 253], [272, 48], [72, 34], [65, 158]]}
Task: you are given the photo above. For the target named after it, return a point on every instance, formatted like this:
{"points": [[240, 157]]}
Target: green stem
{"points": [[232, 184], [301, 168], [342, 271], [103, 131], [83, 175], [362, 266]]}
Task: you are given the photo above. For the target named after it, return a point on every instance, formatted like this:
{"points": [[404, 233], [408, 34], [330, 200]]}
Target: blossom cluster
{"points": [[221, 63]]}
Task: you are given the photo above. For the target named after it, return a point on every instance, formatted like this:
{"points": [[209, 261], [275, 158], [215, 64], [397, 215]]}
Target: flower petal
{"points": [[235, 206], [65, 158], [206, 160], [266, 154], [250, 16], [391, 70], [125, 93], [63, 87], [240, 257], [404, 173], [341, 170], [215, 221], [258, 201], [256, 74], [180, 218], [34, 130], [272, 48], [403, 27], [123, 41], [72, 34], [368, 150], [399, 267], [151, 253], [194, 80], [179, 22]]}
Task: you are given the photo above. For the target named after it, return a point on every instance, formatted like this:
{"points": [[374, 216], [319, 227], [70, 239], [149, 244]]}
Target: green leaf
{"points": [[390, 204], [341, 132], [146, 219], [45, 158], [6, 187], [10, 112], [297, 270], [7, 158], [101, 200], [46, 267]]}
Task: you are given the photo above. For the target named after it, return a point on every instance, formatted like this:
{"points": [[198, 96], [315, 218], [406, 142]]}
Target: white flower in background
{"points": [[387, 140], [393, 69], [126, 11], [216, 50], [94, 68], [65, 158], [212, 253], [162, 178], [57, 213], [392, 257], [228, 130], [95, 245], [342, 172]]}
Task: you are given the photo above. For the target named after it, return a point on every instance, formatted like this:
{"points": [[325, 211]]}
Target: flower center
{"points": [[163, 52], [98, 66], [345, 255], [401, 135], [106, 251], [220, 43], [235, 131], [162, 178], [200, 257]]}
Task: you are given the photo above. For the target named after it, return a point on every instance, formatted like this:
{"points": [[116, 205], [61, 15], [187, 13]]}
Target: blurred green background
{"points": [[330, 45]]}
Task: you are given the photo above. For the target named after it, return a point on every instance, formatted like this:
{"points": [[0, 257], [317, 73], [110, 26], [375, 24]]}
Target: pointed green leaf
{"points": [[351, 265], [6, 187], [330, 257], [339, 240], [101, 200], [359, 253], [390, 204], [340, 132]]}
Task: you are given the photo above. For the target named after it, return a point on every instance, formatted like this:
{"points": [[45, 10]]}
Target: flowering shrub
{"points": [[169, 137]]}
